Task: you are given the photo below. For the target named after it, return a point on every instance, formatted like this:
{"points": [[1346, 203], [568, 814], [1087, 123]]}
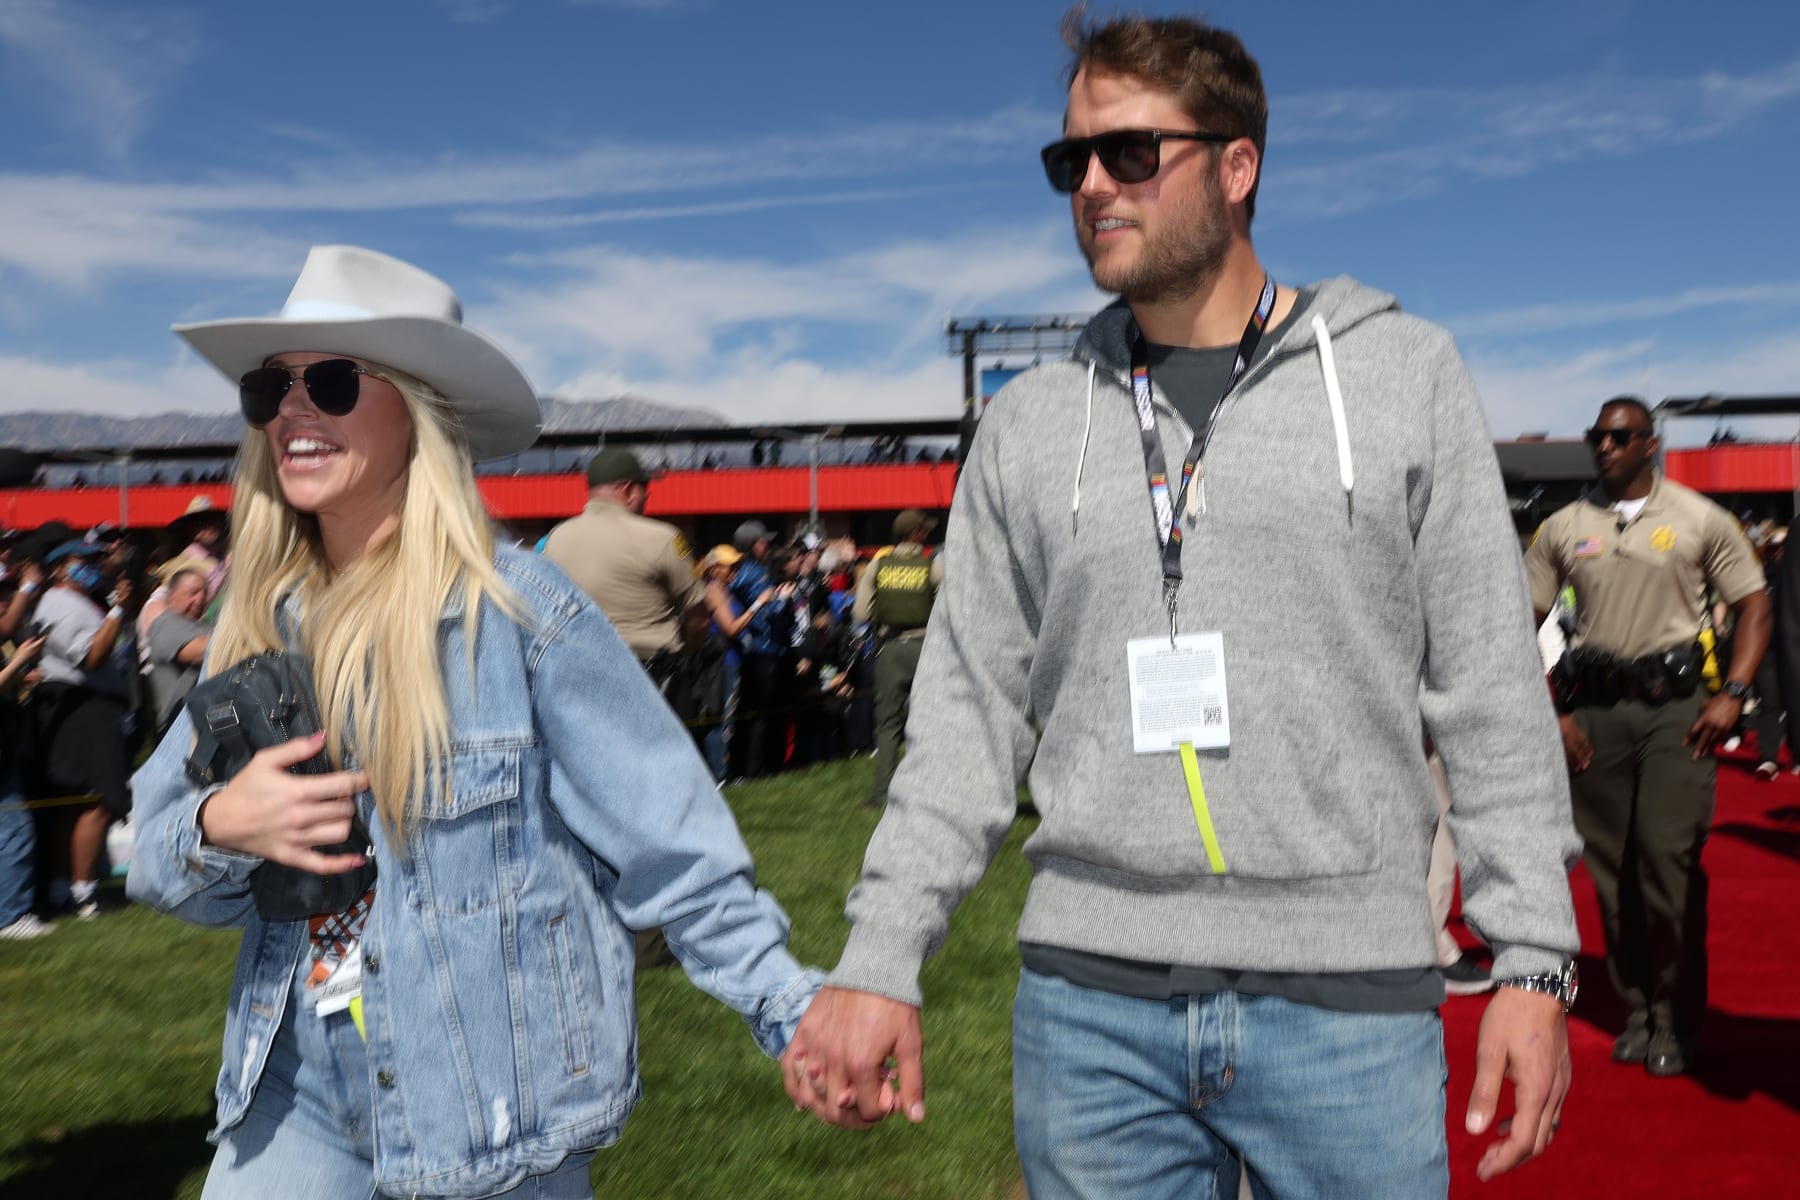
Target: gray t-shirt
{"points": [[170, 680], [69, 621], [1194, 379]]}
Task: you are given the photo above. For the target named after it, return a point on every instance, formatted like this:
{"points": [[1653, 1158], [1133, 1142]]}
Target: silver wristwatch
{"points": [[1562, 983]]}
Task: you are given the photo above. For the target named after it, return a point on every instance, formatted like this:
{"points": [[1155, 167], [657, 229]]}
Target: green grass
{"points": [[109, 1044]]}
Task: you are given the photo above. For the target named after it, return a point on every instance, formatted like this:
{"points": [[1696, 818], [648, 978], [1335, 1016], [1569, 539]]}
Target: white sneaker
{"points": [[87, 910], [1730, 744], [25, 928]]}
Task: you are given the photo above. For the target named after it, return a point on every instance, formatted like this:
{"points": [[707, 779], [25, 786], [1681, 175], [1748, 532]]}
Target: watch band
{"points": [[1563, 983], [1736, 690]]}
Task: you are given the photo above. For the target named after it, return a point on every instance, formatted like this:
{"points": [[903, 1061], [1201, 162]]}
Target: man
{"points": [[1642, 552], [1228, 944], [637, 570], [758, 739], [177, 644], [895, 595]]}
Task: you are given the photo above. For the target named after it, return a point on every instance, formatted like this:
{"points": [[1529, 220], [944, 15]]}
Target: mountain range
{"points": [[62, 431]]}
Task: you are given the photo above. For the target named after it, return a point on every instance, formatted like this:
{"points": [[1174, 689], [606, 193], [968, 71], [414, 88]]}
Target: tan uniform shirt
{"points": [[1641, 589], [864, 606], [637, 570]]}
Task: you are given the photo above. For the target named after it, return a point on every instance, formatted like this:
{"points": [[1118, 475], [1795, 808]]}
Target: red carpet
{"points": [[1732, 1126]]}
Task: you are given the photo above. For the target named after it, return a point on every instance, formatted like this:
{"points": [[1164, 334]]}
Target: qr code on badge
{"points": [[1213, 714]]}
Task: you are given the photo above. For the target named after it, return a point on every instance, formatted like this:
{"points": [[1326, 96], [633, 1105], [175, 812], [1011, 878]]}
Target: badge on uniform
{"points": [[1589, 548]]}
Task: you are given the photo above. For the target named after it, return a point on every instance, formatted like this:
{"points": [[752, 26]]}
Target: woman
{"points": [[716, 570], [79, 713], [467, 1027]]}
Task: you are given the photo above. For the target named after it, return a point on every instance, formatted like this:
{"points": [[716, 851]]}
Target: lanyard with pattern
{"points": [[1168, 529]]}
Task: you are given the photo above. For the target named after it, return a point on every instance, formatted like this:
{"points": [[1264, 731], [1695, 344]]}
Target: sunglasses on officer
{"points": [[1596, 438], [333, 385], [1128, 155]]}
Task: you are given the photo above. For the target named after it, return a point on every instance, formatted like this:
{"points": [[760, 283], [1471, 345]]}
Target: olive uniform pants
{"points": [[895, 665], [1643, 810]]}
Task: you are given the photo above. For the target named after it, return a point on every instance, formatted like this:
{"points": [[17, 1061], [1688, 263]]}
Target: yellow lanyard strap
{"points": [[1190, 767]]}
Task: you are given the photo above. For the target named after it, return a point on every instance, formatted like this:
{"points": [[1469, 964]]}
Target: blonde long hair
{"points": [[371, 629]]}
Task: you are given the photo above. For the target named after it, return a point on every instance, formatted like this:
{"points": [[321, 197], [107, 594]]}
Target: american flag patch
{"points": [[1588, 548]]}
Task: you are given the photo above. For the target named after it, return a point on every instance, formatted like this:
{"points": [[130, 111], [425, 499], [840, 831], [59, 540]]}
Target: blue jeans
{"points": [[18, 858], [717, 740], [1115, 1096], [308, 1131]]}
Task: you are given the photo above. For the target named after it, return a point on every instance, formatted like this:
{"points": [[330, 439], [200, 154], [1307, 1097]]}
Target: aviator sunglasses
{"points": [[331, 384], [1128, 155], [1597, 438]]}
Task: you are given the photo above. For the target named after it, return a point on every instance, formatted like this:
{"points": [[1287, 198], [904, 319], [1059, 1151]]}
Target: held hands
{"points": [[1716, 721], [1576, 747], [266, 812], [1524, 1037], [837, 1066]]}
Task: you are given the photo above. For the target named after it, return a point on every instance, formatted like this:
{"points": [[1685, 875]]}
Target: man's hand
{"points": [[837, 1065], [1524, 1038], [1716, 721], [1576, 747]]}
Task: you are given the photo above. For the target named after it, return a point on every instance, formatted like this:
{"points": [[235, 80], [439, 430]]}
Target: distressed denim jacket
{"points": [[498, 959]]}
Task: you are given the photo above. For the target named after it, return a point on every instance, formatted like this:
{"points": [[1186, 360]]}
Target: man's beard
{"points": [[1176, 262]]}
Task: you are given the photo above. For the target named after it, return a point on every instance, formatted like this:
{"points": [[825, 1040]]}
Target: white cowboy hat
{"points": [[366, 305]]}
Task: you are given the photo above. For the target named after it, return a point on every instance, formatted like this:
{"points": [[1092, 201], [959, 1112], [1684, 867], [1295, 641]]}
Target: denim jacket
{"points": [[498, 959]]}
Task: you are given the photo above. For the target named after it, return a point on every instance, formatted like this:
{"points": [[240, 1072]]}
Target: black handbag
{"points": [[264, 701]]}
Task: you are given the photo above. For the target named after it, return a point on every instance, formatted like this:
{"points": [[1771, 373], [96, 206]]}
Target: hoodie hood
{"points": [[1341, 302], [1337, 305]]}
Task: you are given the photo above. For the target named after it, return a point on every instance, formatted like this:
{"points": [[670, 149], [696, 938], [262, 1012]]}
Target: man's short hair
{"points": [[1632, 402], [174, 580], [1207, 70]]}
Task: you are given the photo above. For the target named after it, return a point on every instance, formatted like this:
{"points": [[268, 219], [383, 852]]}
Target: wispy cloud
{"points": [[855, 334], [1574, 314], [1525, 390], [68, 228], [654, 313], [717, 208], [475, 12], [103, 71], [113, 387], [1428, 140]]}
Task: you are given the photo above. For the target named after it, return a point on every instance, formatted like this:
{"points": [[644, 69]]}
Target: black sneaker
{"points": [[1466, 977]]}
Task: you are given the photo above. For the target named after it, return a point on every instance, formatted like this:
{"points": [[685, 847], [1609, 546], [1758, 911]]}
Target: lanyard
{"points": [[1168, 529]]}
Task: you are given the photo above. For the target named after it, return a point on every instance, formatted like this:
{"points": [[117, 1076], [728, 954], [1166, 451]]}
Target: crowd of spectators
{"points": [[104, 631], [103, 634], [773, 671]]}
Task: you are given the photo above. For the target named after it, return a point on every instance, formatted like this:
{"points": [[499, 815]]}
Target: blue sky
{"points": [[770, 209]]}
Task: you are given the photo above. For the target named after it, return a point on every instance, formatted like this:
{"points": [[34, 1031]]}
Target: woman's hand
{"points": [[266, 812]]}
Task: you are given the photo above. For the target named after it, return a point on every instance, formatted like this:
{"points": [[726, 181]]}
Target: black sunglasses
{"points": [[331, 384], [1597, 438], [1129, 155]]}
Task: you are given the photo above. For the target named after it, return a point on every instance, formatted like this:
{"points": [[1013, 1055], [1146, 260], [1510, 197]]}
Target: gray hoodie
{"points": [[1355, 549]]}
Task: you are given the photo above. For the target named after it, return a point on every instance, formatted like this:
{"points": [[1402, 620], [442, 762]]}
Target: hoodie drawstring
{"points": [[1087, 429], [1334, 395]]}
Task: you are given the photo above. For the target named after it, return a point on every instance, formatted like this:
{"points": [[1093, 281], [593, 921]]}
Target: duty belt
{"points": [[1587, 678]]}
